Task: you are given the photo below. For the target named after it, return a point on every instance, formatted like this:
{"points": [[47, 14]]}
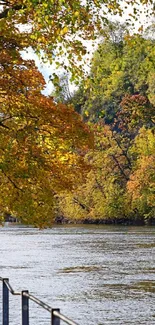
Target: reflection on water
{"points": [[78, 269], [96, 275]]}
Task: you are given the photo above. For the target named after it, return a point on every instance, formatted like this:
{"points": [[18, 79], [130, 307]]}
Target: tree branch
{"points": [[100, 187], [4, 126], [119, 167], [11, 181], [83, 206]]}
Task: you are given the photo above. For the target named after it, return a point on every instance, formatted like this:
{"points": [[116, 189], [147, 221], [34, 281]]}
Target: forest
{"points": [[87, 156], [117, 100]]}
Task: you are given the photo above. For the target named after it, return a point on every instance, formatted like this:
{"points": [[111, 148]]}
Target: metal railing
{"points": [[56, 316]]}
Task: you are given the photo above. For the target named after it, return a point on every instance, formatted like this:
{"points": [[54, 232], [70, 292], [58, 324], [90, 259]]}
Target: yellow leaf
{"points": [[64, 30], [76, 13]]}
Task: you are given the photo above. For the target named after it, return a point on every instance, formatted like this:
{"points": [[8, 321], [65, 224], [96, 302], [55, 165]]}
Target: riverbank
{"points": [[115, 221], [92, 221]]}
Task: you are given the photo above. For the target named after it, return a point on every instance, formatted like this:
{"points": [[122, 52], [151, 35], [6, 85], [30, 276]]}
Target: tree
{"points": [[41, 143], [102, 197], [123, 65], [135, 111], [141, 185]]}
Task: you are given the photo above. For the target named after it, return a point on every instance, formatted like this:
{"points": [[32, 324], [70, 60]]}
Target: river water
{"points": [[96, 275]]}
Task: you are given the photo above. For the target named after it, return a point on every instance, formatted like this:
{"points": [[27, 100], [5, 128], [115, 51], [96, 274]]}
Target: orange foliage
{"points": [[41, 143], [142, 181]]}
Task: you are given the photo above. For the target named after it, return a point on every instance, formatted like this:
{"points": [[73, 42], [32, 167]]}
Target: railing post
{"points": [[25, 308], [5, 318], [54, 319]]}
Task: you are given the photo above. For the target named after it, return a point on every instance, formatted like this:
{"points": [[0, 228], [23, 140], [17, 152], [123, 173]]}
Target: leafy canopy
{"points": [[122, 66], [41, 142], [59, 26]]}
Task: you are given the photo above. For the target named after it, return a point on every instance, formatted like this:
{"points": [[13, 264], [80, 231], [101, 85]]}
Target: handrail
{"points": [[10, 288], [64, 318], [56, 316], [37, 301]]}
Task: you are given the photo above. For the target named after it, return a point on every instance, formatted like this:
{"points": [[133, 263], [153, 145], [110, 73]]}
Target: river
{"points": [[96, 275]]}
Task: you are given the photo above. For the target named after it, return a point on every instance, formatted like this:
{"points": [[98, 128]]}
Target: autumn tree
{"points": [[42, 143], [141, 185], [102, 197]]}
